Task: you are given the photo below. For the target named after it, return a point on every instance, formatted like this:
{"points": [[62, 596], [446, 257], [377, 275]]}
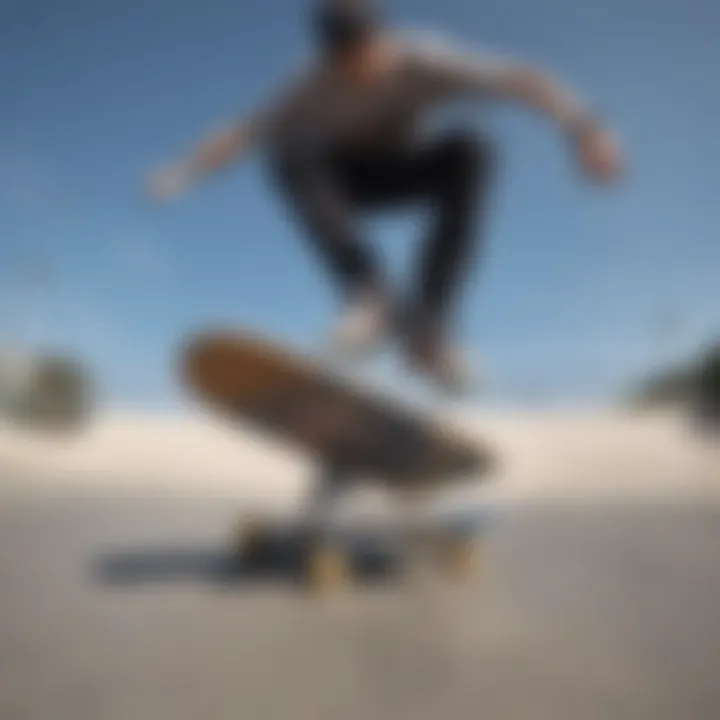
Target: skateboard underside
{"points": [[252, 381]]}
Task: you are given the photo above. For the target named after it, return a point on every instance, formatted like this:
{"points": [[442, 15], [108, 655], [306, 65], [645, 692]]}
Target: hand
{"points": [[169, 182], [599, 155]]}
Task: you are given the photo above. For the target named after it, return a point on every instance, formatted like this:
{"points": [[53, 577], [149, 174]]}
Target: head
{"points": [[343, 27]]}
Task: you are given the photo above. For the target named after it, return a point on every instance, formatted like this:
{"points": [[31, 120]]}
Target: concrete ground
{"points": [[599, 598], [122, 608]]}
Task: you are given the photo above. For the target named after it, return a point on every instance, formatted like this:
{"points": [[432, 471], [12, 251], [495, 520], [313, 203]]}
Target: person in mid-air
{"points": [[348, 135]]}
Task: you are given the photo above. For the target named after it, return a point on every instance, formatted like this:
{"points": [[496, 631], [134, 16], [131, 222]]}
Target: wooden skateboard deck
{"points": [[252, 380]]}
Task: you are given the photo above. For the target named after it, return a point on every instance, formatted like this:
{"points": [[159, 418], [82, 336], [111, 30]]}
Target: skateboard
{"points": [[353, 434]]}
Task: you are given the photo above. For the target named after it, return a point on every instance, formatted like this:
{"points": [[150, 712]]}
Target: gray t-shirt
{"points": [[423, 73]]}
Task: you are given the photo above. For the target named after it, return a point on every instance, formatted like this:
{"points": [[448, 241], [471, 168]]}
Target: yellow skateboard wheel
{"points": [[327, 570]]}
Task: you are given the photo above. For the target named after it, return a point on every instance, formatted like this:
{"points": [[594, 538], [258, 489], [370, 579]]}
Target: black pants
{"points": [[449, 173]]}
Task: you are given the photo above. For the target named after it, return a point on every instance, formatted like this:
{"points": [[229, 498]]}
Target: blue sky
{"points": [[580, 289]]}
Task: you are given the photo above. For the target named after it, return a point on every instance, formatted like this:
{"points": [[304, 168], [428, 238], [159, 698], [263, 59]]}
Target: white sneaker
{"points": [[446, 365], [449, 369], [365, 322]]}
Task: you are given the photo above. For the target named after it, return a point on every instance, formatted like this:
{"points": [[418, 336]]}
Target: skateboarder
{"points": [[347, 135]]}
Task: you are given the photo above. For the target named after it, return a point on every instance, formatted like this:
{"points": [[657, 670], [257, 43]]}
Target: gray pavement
{"points": [[123, 609]]}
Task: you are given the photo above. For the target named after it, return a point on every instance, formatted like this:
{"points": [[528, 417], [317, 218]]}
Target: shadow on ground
{"points": [[284, 562], [281, 552]]}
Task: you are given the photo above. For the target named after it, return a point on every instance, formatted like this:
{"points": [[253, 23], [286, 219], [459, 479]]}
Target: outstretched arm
{"points": [[598, 153], [228, 145], [457, 73], [217, 151]]}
